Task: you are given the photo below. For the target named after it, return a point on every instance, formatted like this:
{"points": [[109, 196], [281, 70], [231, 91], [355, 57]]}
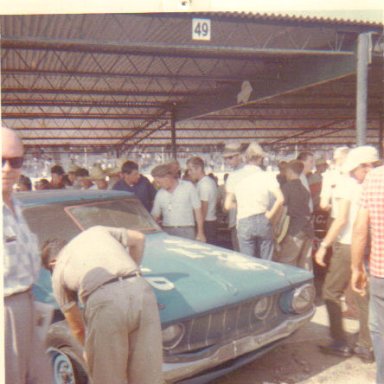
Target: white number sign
{"points": [[201, 29]]}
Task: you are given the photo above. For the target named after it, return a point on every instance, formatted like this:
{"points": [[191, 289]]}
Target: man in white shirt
{"points": [[233, 159], [25, 360], [177, 204], [347, 195], [120, 325], [330, 179], [251, 190], [207, 190]]}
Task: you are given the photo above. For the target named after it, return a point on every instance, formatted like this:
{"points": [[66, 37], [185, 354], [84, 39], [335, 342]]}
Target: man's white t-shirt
{"points": [[177, 207], [207, 190], [348, 189], [253, 193], [330, 180]]}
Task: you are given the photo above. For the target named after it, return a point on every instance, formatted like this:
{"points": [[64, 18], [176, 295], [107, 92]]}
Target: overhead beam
{"points": [[71, 116], [158, 48], [213, 129], [106, 75], [277, 104], [275, 138], [103, 92], [81, 104], [297, 74], [103, 116]]}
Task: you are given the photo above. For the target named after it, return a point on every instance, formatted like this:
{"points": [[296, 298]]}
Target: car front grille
{"points": [[205, 333]]}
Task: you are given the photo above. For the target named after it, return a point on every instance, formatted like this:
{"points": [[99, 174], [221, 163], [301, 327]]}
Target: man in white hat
{"points": [[370, 220], [358, 163]]}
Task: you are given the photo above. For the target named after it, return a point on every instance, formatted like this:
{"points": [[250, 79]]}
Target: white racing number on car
{"points": [[199, 251], [158, 282]]}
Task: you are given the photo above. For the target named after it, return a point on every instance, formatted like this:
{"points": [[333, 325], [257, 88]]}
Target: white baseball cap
{"points": [[364, 154]]}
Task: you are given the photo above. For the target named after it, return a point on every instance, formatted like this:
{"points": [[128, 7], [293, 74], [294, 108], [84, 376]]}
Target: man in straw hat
{"points": [[98, 176], [358, 163], [114, 173]]}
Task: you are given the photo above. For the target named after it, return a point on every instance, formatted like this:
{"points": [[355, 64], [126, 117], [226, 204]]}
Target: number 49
{"points": [[201, 29]]}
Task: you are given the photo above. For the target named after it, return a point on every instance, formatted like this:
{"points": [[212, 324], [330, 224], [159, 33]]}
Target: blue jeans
{"points": [[255, 236], [376, 324]]}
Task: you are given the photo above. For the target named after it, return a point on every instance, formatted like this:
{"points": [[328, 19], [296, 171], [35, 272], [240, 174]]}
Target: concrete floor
{"points": [[298, 360]]}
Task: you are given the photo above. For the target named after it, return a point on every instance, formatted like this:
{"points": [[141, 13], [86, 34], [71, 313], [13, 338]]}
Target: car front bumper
{"points": [[175, 372]]}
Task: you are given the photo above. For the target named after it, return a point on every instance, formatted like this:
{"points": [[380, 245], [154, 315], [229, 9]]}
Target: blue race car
{"points": [[219, 309]]}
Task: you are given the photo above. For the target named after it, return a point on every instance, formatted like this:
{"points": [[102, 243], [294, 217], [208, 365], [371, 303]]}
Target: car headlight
{"points": [[262, 308], [172, 335], [299, 300]]}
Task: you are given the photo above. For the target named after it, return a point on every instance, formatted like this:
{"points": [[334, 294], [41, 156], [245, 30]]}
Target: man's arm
{"points": [[200, 225], [75, 322], [156, 209], [334, 230], [359, 243], [229, 201], [136, 243], [133, 240], [204, 209], [325, 194], [279, 201], [324, 203]]}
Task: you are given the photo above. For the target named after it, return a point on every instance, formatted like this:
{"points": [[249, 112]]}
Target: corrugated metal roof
{"points": [[374, 18], [121, 81]]}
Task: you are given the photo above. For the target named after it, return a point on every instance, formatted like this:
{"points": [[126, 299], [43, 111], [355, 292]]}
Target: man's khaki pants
{"points": [[25, 357], [123, 337]]}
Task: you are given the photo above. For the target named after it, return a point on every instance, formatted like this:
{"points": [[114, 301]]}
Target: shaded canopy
{"points": [[123, 82]]}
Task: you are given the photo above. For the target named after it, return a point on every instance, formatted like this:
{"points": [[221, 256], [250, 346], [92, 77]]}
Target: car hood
{"points": [[191, 277]]}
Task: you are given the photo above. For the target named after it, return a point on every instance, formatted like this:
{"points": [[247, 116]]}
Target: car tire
{"points": [[66, 370]]}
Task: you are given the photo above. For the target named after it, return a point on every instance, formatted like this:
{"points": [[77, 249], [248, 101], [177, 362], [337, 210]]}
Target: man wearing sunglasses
{"points": [[25, 360]]}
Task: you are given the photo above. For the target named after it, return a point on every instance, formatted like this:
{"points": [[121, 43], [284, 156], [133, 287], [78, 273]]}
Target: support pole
{"points": [[173, 134], [363, 59], [381, 136]]}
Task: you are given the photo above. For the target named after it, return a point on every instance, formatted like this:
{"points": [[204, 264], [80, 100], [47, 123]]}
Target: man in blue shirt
{"points": [[132, 181], [25, 360]]}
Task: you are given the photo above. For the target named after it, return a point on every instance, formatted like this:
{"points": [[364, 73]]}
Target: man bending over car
{"points": [[122, 336]]}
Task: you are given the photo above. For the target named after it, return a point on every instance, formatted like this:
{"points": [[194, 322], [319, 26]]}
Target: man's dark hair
{"points": [[81, 172], [304, 155], [50, 250], [26, 181], [196, 162], [129, 166], [296, 166], [44, 183], [58, 169]]}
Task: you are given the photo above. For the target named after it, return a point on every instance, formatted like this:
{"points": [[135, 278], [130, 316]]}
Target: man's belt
{"points": [[178, 226], [121, 278]]}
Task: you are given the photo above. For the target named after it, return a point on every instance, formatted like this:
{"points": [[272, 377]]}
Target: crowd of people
{"points": [[269, 216]]}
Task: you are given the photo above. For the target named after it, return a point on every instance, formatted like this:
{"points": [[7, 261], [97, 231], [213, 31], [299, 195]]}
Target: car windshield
{"points": [[114, 213], [64, 222]]}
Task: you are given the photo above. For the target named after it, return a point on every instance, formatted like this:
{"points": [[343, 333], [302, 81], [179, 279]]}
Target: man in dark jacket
{"points": [[132, 181]]}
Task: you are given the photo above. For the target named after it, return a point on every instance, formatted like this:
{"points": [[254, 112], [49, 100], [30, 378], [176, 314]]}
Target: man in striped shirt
{"points": [[370, 221]]}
